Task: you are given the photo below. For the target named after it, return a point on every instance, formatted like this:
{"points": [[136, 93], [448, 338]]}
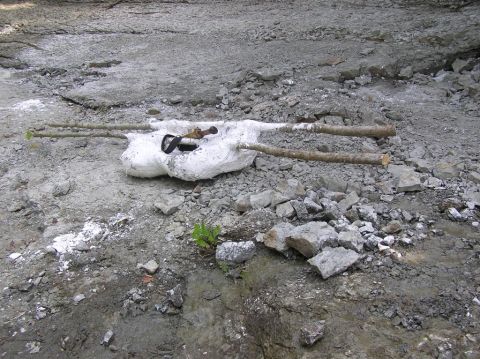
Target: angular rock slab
{"points": [[276, 237], [409, 182], [311, 237], [311, 333], [332, 261], [291, 188], [351, 240], [347, 203], [285, 210], [169, 204], [261, 200], [235, 252]]}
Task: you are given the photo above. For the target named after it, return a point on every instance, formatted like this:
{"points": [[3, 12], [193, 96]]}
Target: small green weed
{"points": [[223, 267], [206, 237]]}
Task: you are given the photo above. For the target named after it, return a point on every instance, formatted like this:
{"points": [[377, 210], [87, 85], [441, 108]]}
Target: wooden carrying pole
{"points": [[357, 131], [93, 126], [336, 157], [76, 134]]}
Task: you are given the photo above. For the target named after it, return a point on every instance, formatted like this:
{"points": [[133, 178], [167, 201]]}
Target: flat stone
{"points": [[285, 210], [392, 227], [235, 252], [459, 65], [367, 228], [150, 267], [248, 225], [350, 73], [82, 247], [300, 209], [472, 196], [474, 177], [62, 188], [395, 140], [175, 296], [261, 200], [372, 242], [406, 72], [176, 99], [275, 238], [451, 202], [331, 210], [433, 182], [388, 240], [363, 80], [406, 241], [367, 213], [409, 182], [445, 170], [278, 198], [369, 146], [169, 204], [242, 204], [398, 170], [347, 203], [367, 51], [108, 338], [334, 196], [78, 298], [421, 165], [418, 151], [291, 188], [309, 238], [153, 112], [312, 206], [454, 215], [16, 206], [268, 75], [312, 333], [332, 261], [14, 256], [351, 240], [394, 116]]}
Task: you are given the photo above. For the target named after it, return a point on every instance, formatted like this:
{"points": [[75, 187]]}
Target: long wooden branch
{"points": [[76, 134], [92, 126], [336, 157], [357, 131]]}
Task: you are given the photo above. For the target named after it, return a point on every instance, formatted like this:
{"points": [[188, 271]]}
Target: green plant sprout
{"points": [[223, 267], [204, 236], [28, 135]]}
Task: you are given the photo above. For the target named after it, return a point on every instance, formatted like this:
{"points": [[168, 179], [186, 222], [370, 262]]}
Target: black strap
{"points": [[172, 145]]}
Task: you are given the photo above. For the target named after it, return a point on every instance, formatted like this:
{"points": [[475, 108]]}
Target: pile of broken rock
{"points": [[332, 229]]}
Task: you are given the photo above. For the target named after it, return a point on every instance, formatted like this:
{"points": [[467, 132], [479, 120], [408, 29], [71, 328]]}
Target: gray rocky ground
{"points": [[96, 264]]}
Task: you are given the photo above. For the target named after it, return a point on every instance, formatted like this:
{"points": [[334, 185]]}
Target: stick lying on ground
{"points": [[182, 149], [335, 157], [355, 131]]}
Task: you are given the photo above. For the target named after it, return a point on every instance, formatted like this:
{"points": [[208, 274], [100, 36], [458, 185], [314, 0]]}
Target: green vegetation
{"points": [[223, 267], [204, 236]]}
